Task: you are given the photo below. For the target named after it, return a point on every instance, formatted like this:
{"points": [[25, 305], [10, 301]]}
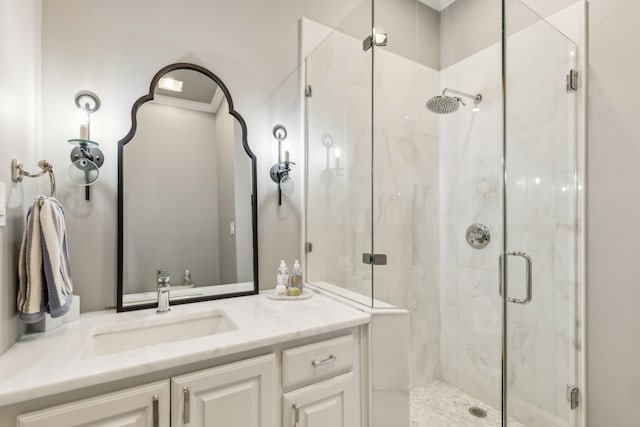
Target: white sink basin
{"points": [[165, 328]]}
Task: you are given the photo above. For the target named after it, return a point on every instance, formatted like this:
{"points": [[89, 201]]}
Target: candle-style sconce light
{"points": [[280, 171], [86, 157], [337, 169]]}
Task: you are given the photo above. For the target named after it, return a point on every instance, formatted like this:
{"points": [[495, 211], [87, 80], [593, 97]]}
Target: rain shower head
{"points": [[444, 104]]}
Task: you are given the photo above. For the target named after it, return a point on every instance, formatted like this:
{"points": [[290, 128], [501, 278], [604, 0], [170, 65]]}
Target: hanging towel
{"points": [[31, 294], [55, 259], [44, 273]]}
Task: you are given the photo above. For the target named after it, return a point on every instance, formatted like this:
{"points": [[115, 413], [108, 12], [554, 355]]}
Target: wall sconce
{"points": [[86, 157], [280, 171], [329, 173], [337, 153]]}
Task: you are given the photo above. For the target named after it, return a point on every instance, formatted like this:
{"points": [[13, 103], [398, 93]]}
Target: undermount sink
{"points": [[165, 328]]}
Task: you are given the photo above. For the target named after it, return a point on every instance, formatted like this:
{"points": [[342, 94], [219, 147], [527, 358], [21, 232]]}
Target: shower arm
{"points": [[476, 98]]}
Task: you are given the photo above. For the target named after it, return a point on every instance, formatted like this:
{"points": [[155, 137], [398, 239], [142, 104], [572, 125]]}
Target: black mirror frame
{"points": [[254, 187]]}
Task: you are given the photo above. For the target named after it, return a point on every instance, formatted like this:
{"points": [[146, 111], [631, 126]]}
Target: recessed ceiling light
{"points": [[171, 84]]}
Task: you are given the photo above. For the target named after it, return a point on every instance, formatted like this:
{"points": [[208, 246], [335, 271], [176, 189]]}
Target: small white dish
{"points": [[272, 295]]}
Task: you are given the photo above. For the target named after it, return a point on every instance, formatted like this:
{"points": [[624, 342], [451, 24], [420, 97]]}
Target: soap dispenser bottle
{"points": [[283, 275], [296, 276], [187, 279]]}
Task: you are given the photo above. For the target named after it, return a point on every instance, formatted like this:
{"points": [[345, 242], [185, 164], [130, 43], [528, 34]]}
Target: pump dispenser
{"points": [[296, 276], [283, 275]]}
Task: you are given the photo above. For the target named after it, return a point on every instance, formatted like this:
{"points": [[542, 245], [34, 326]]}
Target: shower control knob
{"points": [[478, 236]]}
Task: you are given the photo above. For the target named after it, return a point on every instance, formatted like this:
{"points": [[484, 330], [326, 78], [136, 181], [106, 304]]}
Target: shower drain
{"points": [[478, 412]]}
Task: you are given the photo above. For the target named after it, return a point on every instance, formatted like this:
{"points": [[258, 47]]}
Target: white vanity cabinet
{"points": [[241, 394], [309, 382], [332, 398], [142, 406]]}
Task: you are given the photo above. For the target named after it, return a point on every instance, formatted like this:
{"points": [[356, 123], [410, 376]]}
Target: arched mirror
{"points": [[186, 194]]}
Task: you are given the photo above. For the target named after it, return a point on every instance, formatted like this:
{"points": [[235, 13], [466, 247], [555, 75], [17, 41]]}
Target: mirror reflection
{"points": [[186, 195]]}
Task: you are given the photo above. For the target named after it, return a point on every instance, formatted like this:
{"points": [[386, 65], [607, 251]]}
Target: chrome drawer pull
{"points": [[296, 409], [156, 411], [186, 415], [329, 359]]}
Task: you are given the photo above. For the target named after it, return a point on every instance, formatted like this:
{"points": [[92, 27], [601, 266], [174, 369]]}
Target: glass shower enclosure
{"points": [[442, 177]]}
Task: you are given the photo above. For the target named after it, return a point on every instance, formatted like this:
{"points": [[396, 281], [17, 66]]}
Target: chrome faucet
{"points": [[164, 283]]}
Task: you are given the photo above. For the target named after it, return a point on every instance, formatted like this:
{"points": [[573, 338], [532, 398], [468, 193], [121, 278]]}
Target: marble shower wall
{"points": [[405, 185], [470, 186]]}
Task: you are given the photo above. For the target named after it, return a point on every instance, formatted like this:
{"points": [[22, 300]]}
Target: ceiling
{"points": [[197, 86], [437, 4]]}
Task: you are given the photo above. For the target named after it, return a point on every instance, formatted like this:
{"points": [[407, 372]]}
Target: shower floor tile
{"points": [[441, 405]]}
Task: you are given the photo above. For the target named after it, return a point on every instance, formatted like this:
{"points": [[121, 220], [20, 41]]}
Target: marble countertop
{"points": [[43, 364]]}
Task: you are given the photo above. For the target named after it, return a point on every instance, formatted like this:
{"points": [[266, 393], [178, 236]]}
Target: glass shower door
{"points": [[338, 169], [540, 221]]}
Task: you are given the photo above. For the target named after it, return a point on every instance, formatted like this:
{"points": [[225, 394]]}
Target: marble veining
{"points": [[47, 363]]}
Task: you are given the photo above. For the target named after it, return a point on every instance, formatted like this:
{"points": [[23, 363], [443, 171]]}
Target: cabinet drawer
{"points": [[317, 360], [146, 405]]}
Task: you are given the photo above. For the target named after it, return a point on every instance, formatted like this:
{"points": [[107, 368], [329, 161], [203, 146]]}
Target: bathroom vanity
{"points": [[247, 361]]}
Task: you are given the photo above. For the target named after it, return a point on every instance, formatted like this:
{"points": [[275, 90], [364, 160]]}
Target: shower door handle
{"points": [[528, 274]]}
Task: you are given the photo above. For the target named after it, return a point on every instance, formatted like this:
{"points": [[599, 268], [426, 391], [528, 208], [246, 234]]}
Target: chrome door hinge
{"points": [[308, 92], [572, 81], [375, 259], [377, 39], [573, 396]]}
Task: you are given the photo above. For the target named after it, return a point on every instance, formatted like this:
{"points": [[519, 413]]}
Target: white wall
{"points": [[20, 51], [613, 291]]}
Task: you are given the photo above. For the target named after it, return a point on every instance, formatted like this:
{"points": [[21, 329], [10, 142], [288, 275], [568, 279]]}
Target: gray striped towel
{"points": [[44, 273]]}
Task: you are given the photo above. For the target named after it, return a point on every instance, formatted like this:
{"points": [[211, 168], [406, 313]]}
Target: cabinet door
{"points": [[327, 403], [144, 406], [241, 394]]}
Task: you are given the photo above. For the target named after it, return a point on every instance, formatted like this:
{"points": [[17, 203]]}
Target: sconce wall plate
{"points": [[88, 101], [92, 153]]}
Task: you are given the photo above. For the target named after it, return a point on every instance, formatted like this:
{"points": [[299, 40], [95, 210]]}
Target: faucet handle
{"points": [[162, 271], [164, 281]]}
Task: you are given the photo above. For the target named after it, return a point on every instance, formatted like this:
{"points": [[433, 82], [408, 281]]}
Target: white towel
{"points": [[44, 271]]}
